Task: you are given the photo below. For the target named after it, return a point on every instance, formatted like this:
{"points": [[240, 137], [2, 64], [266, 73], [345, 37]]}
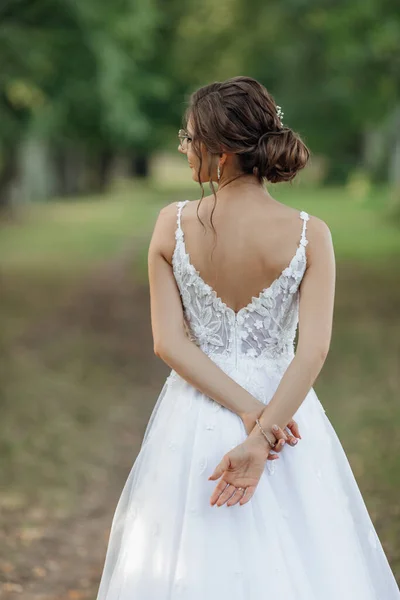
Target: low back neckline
{"points": [[180, 238]]}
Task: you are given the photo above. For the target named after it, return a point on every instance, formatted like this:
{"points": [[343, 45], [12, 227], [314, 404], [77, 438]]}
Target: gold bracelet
{"points": [[272, 444]]}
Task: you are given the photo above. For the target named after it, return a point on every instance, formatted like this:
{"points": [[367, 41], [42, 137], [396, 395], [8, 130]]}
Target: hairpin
{"points": [[280, 113]]}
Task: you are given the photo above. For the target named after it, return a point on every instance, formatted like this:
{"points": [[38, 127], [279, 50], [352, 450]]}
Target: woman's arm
{"points": [[243, 466], [171, 342], [316, 305]]}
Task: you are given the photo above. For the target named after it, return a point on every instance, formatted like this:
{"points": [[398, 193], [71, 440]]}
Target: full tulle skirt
{"points": [[306, 534]]}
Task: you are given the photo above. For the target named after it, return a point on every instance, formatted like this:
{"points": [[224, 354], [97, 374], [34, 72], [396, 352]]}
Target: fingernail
{"points": [[294, 442], [275, 427]]}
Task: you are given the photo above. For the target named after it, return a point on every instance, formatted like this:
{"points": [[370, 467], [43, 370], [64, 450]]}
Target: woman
{"points": [[222, 433]]}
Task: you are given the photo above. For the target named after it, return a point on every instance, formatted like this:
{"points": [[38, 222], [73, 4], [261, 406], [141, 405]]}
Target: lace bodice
{"points": [[264, 329]]}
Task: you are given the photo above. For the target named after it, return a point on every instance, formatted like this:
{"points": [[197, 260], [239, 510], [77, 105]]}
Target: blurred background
{"points": [[91, 98]]}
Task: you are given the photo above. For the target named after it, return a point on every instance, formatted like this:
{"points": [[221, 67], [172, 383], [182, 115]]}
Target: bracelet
{"points": [[272, 444]]}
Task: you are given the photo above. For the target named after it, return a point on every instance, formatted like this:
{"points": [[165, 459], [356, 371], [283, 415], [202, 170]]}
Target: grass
{"points": [[78, 374], [73, 234]]}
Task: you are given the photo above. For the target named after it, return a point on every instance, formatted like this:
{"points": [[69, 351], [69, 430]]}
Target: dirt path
{"points": [[51, 550], [61, 556]]}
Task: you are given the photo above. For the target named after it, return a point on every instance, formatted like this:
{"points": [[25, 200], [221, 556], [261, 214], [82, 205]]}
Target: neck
{"points": [[229, 184]]}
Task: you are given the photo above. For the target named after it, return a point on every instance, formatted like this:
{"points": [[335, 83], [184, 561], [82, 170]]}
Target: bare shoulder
{"points": [[319, 238], [168, 214], [318, 229], [163, 237]]}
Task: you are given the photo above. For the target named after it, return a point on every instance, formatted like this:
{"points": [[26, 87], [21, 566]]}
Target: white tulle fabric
{"points": [[305, 535]]}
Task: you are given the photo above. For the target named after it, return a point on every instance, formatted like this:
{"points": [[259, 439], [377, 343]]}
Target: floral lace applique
{"points": [[264, 329]]}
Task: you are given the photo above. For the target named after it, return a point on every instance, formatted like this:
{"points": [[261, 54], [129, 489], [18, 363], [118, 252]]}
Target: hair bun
{"points": [[231, 115], [280, 154]]}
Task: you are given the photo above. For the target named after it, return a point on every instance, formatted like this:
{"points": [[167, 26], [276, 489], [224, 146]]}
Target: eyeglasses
{"points": [[184, 138]]}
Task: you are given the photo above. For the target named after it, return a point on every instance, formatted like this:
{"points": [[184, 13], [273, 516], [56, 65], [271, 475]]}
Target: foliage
{"points": [[114, 77]]}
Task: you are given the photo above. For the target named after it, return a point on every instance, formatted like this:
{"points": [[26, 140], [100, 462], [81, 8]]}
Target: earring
{"points": [[219, 172]]}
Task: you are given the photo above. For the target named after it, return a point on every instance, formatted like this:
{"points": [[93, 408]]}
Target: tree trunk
{"points": [[375, 153], [140, 166], [394, 159], [7, 177], [69, 169], [105, 169]]}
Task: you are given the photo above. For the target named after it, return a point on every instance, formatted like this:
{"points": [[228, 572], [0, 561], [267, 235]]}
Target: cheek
{"points": [[194, 162], [192, 157]]}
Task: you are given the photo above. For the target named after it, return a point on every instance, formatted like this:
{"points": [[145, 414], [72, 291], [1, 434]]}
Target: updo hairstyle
{"points": [[240, 116]]}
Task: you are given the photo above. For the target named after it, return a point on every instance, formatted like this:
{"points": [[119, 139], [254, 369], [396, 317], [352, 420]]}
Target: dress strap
{"points": [[305, 216], [179, 231]]}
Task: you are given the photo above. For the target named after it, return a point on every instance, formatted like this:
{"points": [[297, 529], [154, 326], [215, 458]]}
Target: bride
{"points": [[237, 423]]}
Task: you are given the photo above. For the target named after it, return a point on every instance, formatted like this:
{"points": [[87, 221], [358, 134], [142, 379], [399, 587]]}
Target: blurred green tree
{"points": [[96, 80], [334, 67], [76, 74]]}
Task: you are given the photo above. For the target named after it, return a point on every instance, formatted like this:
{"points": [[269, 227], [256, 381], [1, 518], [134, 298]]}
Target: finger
{"points": [[272, 456], [219, 488], [293, 426], [237, 495], [248, 495], [279, 445], [226, 494], [220, 468], [280, 441], [279, 433], [292, 440]]}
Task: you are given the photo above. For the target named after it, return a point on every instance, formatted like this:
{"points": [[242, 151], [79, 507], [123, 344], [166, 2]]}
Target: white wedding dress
{"points": [[305, 535]]}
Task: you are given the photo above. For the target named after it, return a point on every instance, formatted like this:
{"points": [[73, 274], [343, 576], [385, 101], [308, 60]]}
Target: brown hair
{"points": [[240, 116]]}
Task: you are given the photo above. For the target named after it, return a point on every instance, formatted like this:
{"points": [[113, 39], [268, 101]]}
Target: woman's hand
{"points": [[242, 467], [289, 435]]}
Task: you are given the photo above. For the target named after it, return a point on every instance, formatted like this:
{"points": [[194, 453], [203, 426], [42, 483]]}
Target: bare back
{"points": [[254, 243]]}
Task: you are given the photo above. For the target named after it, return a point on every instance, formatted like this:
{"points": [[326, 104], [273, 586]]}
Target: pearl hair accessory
{"points": [[280, 113]]}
